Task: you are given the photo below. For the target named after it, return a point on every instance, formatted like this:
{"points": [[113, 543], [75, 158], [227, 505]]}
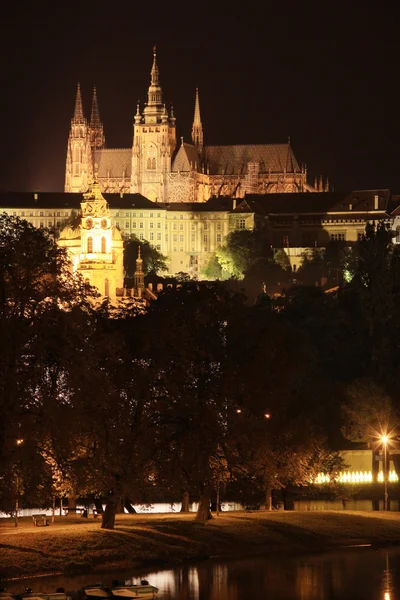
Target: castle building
{"points": [[188, 234], [156, 168]]}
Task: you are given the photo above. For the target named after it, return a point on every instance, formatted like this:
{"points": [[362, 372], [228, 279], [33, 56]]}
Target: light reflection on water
{"points": [[354, 574]]}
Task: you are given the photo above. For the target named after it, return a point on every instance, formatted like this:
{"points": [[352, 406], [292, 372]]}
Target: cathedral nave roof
{"points": [[234, 159], [114, 162]]}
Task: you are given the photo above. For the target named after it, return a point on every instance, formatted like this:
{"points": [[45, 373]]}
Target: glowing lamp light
{"points": [[267, 416], [238, 410]]}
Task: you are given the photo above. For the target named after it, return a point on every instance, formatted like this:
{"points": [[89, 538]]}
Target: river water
{"points": [[348, 574]]}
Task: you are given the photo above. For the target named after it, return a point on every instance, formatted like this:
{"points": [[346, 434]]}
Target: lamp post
{"points": [[385, 471], [19, 442]]}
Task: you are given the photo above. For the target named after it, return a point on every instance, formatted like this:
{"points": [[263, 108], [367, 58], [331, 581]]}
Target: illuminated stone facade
{"points": [[189, 233], [157, 169], [95, 245]]}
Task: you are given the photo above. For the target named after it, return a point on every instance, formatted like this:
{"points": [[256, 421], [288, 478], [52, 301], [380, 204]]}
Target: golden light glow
{"points": [[385, 439], [354, 477], [267, 416], [20, 441]]}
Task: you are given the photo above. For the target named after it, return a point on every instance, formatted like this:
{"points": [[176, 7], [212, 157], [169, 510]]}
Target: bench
{"points": [[39, 520]]}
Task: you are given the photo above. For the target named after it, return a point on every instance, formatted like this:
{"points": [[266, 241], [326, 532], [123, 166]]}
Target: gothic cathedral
{"points": [[157, 169]]}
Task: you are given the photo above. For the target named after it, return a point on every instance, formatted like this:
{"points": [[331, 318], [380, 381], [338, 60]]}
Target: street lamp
{"points": [[18, 442], [385, 473]]}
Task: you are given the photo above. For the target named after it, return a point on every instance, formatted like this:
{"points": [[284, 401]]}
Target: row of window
{"points": [[40, 213], [310, 240], [133, 225]]}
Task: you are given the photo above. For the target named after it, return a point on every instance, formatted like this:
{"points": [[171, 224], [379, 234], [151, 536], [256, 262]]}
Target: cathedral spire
{"points": [[197, 127], [97, 139], [155, 93], [95, 115], [78, 113]]}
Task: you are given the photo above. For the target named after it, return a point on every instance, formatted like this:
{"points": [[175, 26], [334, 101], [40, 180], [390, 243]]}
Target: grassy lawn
{"points": [[75, 545]]}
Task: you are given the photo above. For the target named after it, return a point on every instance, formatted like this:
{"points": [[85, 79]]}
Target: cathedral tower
{"points": [[197, 127], [79, 168], [97, 139], [154, 142]]}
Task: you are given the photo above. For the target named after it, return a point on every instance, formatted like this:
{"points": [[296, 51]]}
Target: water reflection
{"points": [[344, 575]]}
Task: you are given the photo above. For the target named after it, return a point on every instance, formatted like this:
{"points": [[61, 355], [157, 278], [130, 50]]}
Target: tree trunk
{"points": [[268, 498], [203, 511], [71, 502], [108, 518], [120, 503], [185, 502]]}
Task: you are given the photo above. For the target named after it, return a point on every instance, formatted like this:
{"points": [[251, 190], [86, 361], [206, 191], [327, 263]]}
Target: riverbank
{"points": [[75, 545]]}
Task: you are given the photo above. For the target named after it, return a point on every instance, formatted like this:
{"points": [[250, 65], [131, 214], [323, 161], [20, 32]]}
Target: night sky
{"points": [[325, 75]]}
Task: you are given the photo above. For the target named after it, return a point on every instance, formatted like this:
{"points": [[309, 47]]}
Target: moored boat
{"points": [[142, 590], [59, 594], [95, 591]]}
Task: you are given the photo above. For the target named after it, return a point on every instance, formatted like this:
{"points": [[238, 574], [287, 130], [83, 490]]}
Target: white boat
{"points": [[96, 590], [142, 590]]}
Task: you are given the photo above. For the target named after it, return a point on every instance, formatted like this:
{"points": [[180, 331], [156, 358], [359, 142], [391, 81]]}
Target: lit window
{"points": [[242, 224], [90, 245], [338, 237], [103, 245]]}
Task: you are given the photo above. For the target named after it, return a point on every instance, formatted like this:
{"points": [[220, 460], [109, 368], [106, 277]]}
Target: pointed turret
{"points": [[78, 113], [97, 139], [197, 127], [138, 279]]}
